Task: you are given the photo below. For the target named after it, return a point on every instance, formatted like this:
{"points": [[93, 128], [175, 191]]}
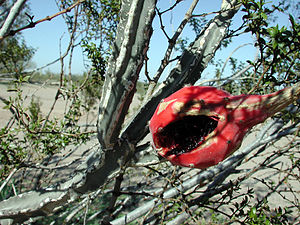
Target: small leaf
{"points": [[264, 16], [292, 19], [274, 44], [26, 78], [252, 213], [273, 31]]}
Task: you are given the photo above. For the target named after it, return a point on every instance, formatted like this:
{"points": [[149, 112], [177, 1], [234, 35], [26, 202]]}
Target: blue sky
{"points": [[49, 37]]}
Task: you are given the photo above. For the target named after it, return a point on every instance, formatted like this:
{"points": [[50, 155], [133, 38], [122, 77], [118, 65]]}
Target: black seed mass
{"points": [[186, 134]]}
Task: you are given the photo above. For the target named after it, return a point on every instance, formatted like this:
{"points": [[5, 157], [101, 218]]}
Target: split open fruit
{"points": [[201, 126]]}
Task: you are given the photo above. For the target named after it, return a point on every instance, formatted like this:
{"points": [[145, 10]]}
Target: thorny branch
{"points": [[172, 41], [32, 24], [61, 59], [98, 170], [210, 174], [102, 162]]}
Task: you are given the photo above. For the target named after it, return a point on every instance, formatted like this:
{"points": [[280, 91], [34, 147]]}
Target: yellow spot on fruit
{"points": [[164, 105], [177, 107]]}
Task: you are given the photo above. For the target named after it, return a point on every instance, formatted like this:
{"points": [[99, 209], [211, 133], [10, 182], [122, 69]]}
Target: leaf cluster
{"points": [[32, 136], [14, 56], [278, 47], [97, 21]]}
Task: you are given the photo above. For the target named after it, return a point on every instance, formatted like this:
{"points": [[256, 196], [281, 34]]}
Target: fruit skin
{"points": [[235, 115]]}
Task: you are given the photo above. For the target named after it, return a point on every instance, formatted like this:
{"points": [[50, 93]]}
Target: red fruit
{"points": [[201, 126]]}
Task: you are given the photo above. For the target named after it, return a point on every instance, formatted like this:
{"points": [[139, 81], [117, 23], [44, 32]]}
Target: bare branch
{"points": [[228, 58], [122, 152], [208, 175], [33, 24], [187, 71], [172, 42], [8, 179], [14, 12], [121, 79]]}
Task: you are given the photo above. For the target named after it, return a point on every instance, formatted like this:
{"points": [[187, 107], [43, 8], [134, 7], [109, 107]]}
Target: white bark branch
{"points": [[188, 70], [208, 175], [133, 35], [119, 88], [14, 12]]}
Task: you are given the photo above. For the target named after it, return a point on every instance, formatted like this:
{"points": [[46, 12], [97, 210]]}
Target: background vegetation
{"points": [[39, 150]]}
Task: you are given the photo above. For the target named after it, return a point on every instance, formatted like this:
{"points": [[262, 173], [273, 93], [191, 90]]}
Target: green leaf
{"points": [[264, 16], [26, 78], [274, 44], [292, 20], [252, 213], [273, 31]]}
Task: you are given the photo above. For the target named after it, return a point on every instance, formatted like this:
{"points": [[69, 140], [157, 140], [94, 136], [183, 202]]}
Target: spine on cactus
{"points": [[201, 126]]}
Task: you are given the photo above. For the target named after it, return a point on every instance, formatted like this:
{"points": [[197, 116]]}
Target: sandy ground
{"points": [[46, 95]]}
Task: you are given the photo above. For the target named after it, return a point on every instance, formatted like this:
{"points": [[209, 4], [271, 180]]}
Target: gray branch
{"points": [[133, 35], [187, 71], [132, 38], [127, 59], [263, 139], [14, 12]]}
